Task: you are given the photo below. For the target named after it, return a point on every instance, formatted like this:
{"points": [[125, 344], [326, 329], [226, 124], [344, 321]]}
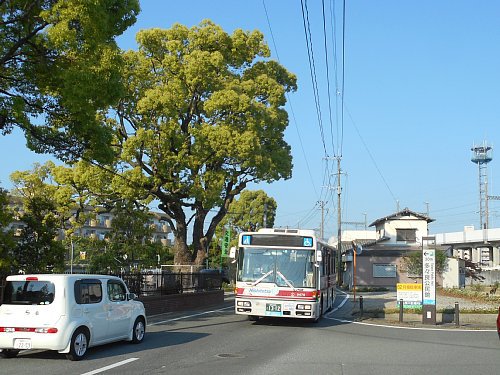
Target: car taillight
{"points": [[46, 330], [32, 278], [28, 329]]}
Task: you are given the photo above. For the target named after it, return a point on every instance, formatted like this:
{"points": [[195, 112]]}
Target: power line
{"points": [[327, 74], [343, 82], [312, 68], [371, 156], [290, 102]]}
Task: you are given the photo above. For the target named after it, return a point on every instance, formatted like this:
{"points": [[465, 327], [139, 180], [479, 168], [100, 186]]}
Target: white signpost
{"points": [[428, 280]]}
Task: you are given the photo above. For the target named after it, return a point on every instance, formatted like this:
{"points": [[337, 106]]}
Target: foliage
{"points": [[128, 242], [6, 236], [252, 211], [60, 64], [413, 262], [37, 249], [202, 118]]}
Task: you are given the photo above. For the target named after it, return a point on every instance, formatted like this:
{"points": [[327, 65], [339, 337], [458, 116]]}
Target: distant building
{"points": [[380, 263], [100, 225]]}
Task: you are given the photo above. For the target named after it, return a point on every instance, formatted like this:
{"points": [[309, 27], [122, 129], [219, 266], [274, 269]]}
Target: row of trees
{"points": [[187, 121], [49, 206]]}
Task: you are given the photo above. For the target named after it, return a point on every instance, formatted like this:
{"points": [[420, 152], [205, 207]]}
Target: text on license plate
{"points": [[22, 343], [273, 307]]}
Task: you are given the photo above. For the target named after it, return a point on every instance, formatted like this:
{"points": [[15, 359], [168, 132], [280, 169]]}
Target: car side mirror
{"points": [[131, 296]]}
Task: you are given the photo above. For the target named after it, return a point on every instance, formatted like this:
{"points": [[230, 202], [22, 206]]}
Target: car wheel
{"points": [[9, 353], [79, 345], [138, 331]]}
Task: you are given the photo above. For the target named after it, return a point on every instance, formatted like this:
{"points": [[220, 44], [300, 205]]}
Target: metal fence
{"points": [[161, 283]]}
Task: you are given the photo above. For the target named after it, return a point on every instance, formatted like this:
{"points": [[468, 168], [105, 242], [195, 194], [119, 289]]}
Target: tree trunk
{"points": [[181, 250], [199, 240]]}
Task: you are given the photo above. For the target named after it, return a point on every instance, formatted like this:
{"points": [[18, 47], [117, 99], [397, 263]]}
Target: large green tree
{"points": [[6, 235], [37, 248], [59, 64], [253, 210], [203, 116]]}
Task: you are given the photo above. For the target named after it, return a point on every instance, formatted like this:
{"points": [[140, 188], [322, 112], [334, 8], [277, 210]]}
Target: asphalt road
{"points": [[219, 342]]}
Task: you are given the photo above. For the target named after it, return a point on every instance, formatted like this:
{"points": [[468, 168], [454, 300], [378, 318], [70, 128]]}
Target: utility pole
{"points": [[322, 227], [339, 225]]}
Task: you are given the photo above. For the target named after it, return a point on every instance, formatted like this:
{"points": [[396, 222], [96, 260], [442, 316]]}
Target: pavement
{"points": [[382, 308]]}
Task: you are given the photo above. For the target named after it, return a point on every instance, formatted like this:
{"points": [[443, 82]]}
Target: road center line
{"points": [[190, 316], [102, 369]]}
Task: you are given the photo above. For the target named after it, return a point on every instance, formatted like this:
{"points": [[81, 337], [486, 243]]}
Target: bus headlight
{"points": [[303, 307], [244, 303]]}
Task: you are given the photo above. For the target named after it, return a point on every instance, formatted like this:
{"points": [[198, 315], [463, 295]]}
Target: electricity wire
{"points": [[312, 68], [311, 179]]}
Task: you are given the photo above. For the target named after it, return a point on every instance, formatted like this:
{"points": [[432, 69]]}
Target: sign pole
{"points": [[429, 280]]}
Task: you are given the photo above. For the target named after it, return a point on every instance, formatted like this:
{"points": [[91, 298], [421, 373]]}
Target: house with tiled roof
{"points": [[380, 253]]}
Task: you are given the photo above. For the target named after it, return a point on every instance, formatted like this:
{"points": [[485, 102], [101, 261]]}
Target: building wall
{"points": [[389, 228], [454, 274], [365, 271]]}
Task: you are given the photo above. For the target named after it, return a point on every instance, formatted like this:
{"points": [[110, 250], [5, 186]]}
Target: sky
{"points": [[409, 88]]}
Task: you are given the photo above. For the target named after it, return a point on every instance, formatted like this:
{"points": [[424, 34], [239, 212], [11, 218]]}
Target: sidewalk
{"points": [[381, 307]]}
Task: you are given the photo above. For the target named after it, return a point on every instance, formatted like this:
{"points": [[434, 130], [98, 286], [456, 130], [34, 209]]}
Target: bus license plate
{"points": [[273, 308], [22, 343]]}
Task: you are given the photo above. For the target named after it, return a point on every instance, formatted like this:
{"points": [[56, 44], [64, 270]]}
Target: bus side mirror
{"points": [[232, 252]]}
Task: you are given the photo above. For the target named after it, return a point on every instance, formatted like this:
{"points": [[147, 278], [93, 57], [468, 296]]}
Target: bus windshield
{"points": [[285, 268]]}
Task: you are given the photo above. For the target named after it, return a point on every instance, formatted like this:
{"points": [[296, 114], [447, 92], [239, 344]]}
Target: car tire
{"points": [[79, 345], [138, 331], [9, 353]]}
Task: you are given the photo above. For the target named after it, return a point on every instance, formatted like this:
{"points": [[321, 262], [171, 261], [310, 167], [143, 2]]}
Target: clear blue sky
{"points": [[421, 86]]}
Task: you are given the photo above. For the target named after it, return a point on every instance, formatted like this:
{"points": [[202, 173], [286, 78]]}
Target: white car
{"points": [[67, 313]]}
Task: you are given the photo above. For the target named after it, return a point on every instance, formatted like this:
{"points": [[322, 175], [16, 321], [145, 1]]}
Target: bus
{"points": [[286, 273]]}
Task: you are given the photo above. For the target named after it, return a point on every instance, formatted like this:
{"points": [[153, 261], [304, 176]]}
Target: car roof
{"points": [[53, 276]]}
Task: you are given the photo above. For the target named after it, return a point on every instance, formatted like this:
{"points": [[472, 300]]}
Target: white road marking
{"points": [[190, 316], [414, 328], [346, 298], [102, 369]]}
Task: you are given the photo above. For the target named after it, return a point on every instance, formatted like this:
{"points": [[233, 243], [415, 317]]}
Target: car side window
{"points": [[88, 291], [116, 291]]}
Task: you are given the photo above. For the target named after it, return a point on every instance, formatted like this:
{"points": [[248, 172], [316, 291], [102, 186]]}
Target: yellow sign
{"points": [[413, 286], [409, 294]]}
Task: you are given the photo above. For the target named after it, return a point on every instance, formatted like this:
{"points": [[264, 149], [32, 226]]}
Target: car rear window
{"points": [[28, 292]]}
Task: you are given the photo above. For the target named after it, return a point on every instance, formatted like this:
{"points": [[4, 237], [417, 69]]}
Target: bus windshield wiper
{"points": [[262, 278], [285, 280]]}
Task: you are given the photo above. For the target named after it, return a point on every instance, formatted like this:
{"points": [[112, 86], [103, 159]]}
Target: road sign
{"points": [[429, 276], [410, 294], [225, 241]]}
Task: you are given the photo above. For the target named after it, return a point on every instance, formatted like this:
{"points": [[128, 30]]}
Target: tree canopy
{"points": [[203, 116], [253, 210], [37, 248], [59, 65], [6, 236]]}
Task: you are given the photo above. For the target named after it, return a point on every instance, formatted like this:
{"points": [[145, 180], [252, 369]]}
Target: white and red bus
{"points": [[284, 273]]}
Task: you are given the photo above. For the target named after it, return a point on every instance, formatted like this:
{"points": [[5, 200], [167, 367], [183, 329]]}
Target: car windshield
{"points": [[285, 268], [28, 293]]}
